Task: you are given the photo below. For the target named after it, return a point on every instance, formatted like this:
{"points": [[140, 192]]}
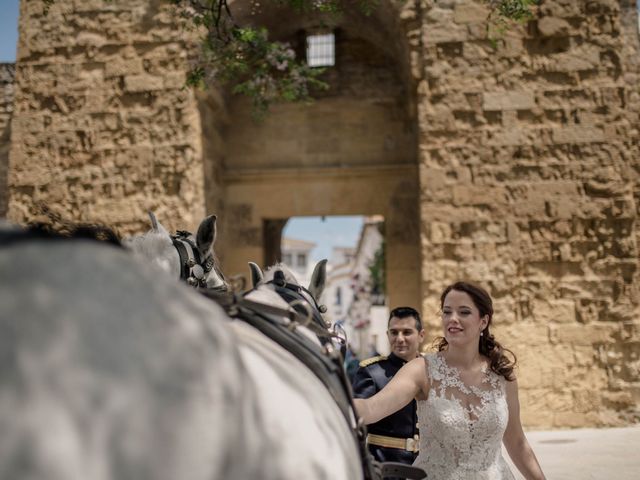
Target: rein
{"points": [[324, 362], [293, 295]]}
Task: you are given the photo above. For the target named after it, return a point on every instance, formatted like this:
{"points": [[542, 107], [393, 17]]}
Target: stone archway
{"points": [[352, 152]]}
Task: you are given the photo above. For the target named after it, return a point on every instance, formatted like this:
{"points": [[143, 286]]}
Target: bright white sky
{"points": [[334, 231], [8, 30]]}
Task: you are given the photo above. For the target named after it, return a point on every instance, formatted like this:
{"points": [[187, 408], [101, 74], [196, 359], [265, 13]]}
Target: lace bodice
{"points": [[461, 426]]}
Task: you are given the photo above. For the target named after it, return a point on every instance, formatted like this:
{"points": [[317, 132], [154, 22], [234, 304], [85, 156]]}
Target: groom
{"points": [[394, 438]]}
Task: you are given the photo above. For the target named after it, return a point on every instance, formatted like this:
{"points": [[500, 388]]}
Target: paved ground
{"points": [[586, 454]]}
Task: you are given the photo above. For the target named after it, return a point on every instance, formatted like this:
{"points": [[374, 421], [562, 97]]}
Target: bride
{"points": [[467, 397]]}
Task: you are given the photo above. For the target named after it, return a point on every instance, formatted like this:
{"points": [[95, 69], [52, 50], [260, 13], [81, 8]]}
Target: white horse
{"points": [[310, 435], [194, 261], [109, 371]]}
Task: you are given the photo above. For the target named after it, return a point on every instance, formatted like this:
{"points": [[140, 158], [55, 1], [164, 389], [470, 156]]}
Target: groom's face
{"points": [[404, 337]]}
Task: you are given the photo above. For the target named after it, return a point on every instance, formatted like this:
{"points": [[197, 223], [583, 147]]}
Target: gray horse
{"points": [[310, 435], [110, 371], [195, 259]]}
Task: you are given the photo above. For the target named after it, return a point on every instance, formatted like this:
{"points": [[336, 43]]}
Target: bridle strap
{"points": [[325, 362], [192, 269], [290, 292], [185, 258]]}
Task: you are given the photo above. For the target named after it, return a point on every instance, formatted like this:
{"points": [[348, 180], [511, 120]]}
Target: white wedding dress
{"points": [[460, 442]]}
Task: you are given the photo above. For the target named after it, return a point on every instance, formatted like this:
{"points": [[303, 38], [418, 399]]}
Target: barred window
{"points": [[321, 50]]}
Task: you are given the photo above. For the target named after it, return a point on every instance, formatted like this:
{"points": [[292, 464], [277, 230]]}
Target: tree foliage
{"points": [[503, 13], [267, 71], [377, 270]]}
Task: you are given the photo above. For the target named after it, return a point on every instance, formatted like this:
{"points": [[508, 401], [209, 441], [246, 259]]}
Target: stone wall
{"points": [[529, 185], [103, 129], [527, 163], [7, 73], [361, 120]]}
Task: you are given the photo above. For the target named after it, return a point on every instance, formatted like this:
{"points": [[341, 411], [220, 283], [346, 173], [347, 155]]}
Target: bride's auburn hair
{"points": [[500, 362]]}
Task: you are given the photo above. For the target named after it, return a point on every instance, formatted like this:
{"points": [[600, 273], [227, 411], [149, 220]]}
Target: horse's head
{"points": [[183, 255], [304, 299]]}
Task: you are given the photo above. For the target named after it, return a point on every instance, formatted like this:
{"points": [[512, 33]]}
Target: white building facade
{"points": [[349, 294], [296, 254]]}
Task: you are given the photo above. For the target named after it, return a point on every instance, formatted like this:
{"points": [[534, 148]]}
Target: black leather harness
{"points": [[326, 361], [193, 269]]}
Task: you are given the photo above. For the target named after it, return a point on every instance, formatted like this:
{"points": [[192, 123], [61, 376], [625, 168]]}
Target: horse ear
{"points": [[318, 279], [154, 220], [206, 236], [155, 225], [256, 274]]}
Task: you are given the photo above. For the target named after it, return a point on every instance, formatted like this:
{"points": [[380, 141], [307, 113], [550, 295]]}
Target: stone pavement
{"points": [[588, 453]]}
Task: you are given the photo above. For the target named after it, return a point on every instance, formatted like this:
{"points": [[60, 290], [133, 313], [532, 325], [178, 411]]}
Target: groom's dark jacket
{"points": [[374, 373]]}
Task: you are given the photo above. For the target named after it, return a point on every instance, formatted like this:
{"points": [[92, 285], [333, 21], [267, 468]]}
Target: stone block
{"points": [[444, 34], [507, 137], [575, 60], [511, 46], [582, 335], [88, 39], [618, 400], [123, 67], [142, 83], [174, 80], [578, 134], [470, 13], [553, 26], [479, 195], [553, 310], [509, 100]]}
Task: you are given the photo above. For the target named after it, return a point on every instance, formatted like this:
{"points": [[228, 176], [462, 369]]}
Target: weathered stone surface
{"points": [[103, 129], [470, 13], [508, 101], [551, 135], [551, 26], [528, 177]]}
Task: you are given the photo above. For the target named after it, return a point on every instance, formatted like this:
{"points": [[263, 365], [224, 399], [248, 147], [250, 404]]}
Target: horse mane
{"points": [[150, 243], [61, 231]]}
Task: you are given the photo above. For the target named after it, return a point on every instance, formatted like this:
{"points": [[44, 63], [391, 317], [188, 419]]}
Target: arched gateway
{"points": [[353, 151], [512, 165]]}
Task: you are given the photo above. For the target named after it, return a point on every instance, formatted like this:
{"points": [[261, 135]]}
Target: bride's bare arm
{"points": [[514, 439], [402, 388]]}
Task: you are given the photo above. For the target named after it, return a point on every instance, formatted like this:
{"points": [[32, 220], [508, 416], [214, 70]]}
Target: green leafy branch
{"points": [[503, 14], [377, 271], [243, 57], [268, 71]]}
